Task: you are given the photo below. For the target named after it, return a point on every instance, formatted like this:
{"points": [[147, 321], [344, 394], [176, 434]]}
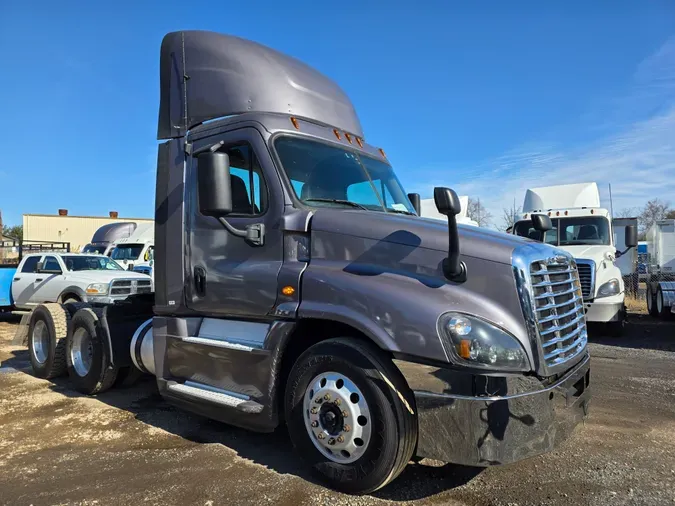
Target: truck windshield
{"points": [[90, 248], [324, 175], [127, 252], [90, 263], [577, 231]]}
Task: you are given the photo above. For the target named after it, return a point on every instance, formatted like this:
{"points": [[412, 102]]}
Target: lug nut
{"points": [[346, 428], [331, 441], [338, 402], [345, 413], [315, 424], [319, 400], [321, 436], [327, 397], [314, 411], [340, 439]]}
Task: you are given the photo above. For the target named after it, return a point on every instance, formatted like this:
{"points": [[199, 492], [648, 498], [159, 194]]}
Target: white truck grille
{"points": [[586, 270], [130, 286], [559, 310]]}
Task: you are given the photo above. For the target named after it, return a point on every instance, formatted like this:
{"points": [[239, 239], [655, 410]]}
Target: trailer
{"points": [[296, 284], [660, 293]]}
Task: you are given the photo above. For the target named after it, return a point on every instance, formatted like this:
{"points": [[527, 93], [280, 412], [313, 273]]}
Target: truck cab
{"points": [[136, 249], [103, 241], [583, 229]]}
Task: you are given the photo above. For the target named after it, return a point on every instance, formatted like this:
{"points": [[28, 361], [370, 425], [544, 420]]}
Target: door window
{"points": [[51, 264], [30, 265], [249, 194]]}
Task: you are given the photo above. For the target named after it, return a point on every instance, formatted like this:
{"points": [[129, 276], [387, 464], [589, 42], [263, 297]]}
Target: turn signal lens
{"points": [[465, 349], [288, 291]]}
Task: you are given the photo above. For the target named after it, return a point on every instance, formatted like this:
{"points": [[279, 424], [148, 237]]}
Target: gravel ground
{"points": [[127, 446]]}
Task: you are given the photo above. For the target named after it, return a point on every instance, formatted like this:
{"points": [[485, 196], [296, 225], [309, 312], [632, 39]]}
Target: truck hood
{"points": [[104, 276], [417, 232], [591, 252]]}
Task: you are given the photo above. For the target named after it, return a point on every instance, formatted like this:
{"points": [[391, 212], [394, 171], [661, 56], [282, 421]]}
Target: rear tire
{"points": [[87, 354], [385, 438], [662, 309], [651, 301], [47, 332]]}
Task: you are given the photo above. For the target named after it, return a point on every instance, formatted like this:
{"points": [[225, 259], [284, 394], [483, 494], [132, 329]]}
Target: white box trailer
{"points": [[661, 269]]}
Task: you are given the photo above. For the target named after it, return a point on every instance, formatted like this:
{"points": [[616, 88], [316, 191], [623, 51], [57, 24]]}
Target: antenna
{"points": [[611, 205]]}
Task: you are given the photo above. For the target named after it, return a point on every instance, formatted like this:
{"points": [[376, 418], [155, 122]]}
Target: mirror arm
{"points": [[254, 234], [453, 268], [621, 253]]}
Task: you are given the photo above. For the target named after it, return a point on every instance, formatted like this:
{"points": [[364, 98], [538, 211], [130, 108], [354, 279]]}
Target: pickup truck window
{"points": [[90, 263], [30, 265], [51, 264], [322, 175]]}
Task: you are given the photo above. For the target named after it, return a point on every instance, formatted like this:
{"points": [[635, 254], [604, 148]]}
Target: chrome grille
{"points": [[586, 270], [559, 309], [130, 286]]}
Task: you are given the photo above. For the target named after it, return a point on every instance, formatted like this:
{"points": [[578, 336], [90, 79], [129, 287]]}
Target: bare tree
{"points": [[670, 215], [628, 212], [477, 212], [653, 211], [510, 216]]}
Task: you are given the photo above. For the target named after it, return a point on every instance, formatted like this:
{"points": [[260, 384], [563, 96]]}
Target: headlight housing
{"points": [[478, 343], [97, 289], [612, 287]]}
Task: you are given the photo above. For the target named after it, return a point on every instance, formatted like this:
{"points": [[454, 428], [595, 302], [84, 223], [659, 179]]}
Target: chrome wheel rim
{"points": [[81, 352], [659, 301], [40, 340], [337, 417]]}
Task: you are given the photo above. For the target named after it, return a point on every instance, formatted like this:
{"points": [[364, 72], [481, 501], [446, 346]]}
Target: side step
{"points": [[217, 396]]}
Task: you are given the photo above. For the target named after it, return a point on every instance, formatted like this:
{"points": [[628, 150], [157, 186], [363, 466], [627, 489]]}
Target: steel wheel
{"points": [[337, 417], [40, 338], [82, 352]]}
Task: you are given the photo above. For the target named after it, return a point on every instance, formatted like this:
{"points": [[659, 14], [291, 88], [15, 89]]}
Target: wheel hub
{"points": [[40, 338], [82, 352], [337, 417]]}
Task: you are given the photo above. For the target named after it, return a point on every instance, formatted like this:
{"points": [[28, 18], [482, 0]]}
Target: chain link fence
{"points": [[637, 286]]}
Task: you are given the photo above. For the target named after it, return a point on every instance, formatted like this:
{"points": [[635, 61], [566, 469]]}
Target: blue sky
{"points": [[489, 98]]}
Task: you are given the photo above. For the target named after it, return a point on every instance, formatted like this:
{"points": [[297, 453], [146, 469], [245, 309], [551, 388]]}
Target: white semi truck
{"points": [[584, 229], [661, 269], [428, 210], [137, 250]]}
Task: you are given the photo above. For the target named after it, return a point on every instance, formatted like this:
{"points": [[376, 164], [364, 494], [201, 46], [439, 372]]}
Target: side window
{"points": [[249, 194], [51, 264], [30, 265]]}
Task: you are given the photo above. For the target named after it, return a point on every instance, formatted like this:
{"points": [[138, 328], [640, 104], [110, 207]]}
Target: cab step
{"points": [[215, 395]]}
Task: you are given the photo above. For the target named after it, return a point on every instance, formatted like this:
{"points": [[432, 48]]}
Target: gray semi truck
{"points": [[296, 284]]}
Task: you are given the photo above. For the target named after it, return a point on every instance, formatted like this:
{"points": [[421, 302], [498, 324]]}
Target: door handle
{"points": [[15, 280], [200, 281], [38, 279]]}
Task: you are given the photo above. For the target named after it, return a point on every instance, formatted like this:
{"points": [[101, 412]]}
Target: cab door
{"points": [[50, 280], [230, 277], [23, 283]]}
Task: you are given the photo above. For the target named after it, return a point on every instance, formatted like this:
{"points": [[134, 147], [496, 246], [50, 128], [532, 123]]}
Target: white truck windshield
{"points": [[90, 248], [325, 175], [90, 263], [127, 252], [573, 231]]}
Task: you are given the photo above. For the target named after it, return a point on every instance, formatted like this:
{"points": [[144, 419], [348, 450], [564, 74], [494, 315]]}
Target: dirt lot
{"points": [[128, 447]]}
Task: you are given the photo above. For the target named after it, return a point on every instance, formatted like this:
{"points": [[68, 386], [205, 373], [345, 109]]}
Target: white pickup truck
{"points": [[73, 277]]}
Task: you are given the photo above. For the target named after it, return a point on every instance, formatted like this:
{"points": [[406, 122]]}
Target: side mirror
{"points": [[541, 222], [213, 181], [631, 238], [414, 199], [447, 203]]}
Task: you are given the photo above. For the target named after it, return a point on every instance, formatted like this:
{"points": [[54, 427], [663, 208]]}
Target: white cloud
{"points": [[637, 158]]}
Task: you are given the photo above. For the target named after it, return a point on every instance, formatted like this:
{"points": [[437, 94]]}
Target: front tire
{"points": [[350, 415], [87, 354]]}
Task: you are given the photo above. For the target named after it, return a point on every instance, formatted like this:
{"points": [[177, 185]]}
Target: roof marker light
{"points": [[359, 142], [382, 153], [337, 134], [348, 137], [295, 123]]}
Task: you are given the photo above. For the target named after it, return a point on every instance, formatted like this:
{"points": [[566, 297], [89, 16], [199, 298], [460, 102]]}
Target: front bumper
{"points": [[105, 299], [527, 418], [605, 311]]}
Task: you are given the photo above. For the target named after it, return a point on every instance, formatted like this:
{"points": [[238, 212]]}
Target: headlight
{"points": [[97, 289], [478, 343], [612, 287]]}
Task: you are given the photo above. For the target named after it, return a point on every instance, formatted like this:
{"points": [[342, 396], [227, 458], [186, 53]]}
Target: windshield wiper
{"points": [[400, 211], [338, 201]]}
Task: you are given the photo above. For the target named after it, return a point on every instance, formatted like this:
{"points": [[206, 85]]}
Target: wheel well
{"points": [[66, 295], [309, 332]]}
